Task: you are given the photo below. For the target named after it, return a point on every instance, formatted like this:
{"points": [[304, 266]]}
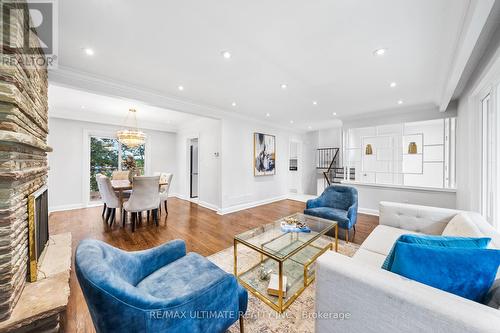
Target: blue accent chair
{"points": [[158, 290], [338, 203]]}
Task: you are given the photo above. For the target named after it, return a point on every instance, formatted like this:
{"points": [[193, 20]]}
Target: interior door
{"points": [[193, 168]]}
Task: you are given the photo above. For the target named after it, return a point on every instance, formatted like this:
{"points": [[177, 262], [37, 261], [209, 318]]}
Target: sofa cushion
{"points": [[383, 238], [462, 226], [183, 279], [441, 241], [329, 213], [369, 258], [466, 272]]}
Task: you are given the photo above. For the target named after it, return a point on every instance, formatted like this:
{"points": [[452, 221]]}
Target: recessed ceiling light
{"points": [[268, 115], [400, 102], [291, 121], [83, 106], [226, 54], [315, 103], [393, 84], [284, 86], [89, 51], [380, 52], [181, 88], [233, 104], [335, 113]]}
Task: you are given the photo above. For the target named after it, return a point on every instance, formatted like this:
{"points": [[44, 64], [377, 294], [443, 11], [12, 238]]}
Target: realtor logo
{"points": [[29, 32]]}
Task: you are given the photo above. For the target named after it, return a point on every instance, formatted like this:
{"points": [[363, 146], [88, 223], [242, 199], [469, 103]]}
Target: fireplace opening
{"points": [[38, 229]]}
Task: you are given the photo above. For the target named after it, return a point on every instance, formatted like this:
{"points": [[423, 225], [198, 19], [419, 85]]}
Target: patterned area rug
{"points": [[260, 317]]}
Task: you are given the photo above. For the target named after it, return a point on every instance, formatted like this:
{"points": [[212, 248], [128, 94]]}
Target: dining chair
{"points": [[97, 175], [145, 196], [165, 178], [109, 198]]}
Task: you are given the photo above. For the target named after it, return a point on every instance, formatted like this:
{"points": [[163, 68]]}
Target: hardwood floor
{"points": [[203, 230]]}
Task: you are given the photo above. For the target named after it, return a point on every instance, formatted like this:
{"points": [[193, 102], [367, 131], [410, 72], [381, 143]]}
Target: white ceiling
{"points": [[75, 104], [322, 49]]}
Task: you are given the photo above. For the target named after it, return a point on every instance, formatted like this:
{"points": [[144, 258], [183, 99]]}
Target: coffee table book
{"points": [[273, 287]]}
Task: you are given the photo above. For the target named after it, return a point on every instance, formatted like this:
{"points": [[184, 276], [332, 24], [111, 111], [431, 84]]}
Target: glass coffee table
{"points": [[286, 254]]}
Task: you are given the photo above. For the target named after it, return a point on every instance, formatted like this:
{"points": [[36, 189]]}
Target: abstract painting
{"points": [[264, 154]]}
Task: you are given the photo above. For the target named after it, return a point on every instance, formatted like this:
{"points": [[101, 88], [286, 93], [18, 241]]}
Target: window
{"points": [[106, 154]]}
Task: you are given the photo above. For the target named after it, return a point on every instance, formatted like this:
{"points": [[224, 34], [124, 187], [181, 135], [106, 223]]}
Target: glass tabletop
{"points": [[271, 240]]}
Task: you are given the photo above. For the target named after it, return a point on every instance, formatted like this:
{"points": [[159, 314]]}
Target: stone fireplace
{"points": [[23, 163]]}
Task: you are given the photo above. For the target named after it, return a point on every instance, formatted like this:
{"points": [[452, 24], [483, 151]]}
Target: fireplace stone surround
{"points": [[23, 160]]}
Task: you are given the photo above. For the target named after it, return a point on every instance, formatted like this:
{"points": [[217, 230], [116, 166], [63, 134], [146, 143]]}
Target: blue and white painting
{"points": [[264, 154]]}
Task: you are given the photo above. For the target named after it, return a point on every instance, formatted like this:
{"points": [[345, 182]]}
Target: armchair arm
{"points": [[373, 297], [314, 203], [352, 212], [153, 259]]}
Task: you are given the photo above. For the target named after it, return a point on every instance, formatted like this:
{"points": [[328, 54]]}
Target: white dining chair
{"points": [[109, 198], [145, 197], [97, 175], [165, 178]]}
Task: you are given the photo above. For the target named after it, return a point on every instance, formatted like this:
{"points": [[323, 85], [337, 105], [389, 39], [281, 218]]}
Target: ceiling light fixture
{"points": [[400, 102], [380, 52], [268, 115], [181, 88], [226, 54], [309, 127], [393, 84], [315, 103], [233, 104], [83, 106], [130, 135], [284, 86], [335, 113], [89, 51], [291, 121]]}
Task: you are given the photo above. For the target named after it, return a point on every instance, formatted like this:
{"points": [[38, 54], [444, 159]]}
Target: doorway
{"points": [[193, 168]]}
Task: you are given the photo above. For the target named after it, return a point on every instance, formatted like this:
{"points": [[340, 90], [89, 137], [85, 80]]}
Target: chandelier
{"points": [[131, 136]]}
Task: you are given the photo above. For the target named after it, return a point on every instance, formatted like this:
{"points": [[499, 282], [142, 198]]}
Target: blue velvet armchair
{"points": [[158, 290], [338, 203]]}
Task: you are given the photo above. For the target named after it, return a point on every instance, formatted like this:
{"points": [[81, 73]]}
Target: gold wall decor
{"points": [[412, 148], [368, 149]]}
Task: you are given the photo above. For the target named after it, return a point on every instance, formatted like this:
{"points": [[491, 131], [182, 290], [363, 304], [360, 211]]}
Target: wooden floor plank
{"points": [[204, 231]]}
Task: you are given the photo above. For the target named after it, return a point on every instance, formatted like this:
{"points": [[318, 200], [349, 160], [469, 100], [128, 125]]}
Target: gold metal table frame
{"points": [[282, 305]]}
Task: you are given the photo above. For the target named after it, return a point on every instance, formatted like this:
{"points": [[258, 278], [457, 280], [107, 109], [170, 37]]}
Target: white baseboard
{"points": [[236, 208], [207, 205], [368, 211], [62, 208]]}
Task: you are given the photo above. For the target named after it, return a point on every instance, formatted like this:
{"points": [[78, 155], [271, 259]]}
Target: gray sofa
{"points": [[370, 299]]}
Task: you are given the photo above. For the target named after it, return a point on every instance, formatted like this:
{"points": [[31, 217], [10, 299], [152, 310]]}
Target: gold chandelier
{"points": [[131, 136]]}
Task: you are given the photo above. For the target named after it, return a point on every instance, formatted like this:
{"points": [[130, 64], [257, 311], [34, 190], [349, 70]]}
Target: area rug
{"points": [[260, 317]]}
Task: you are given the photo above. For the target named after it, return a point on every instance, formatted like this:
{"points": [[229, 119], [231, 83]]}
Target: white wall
{"points": [[209, 187], [240, 188], [66, 162]]}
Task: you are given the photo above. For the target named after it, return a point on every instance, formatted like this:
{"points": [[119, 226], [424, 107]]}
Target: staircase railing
{"points": [[328, 160]]}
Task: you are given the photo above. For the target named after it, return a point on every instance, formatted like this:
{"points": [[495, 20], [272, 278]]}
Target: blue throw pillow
{"points": [[444, 241], [466, 272]]}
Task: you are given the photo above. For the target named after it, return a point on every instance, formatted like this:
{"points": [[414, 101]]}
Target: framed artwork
{"points": [[264, 154]]}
